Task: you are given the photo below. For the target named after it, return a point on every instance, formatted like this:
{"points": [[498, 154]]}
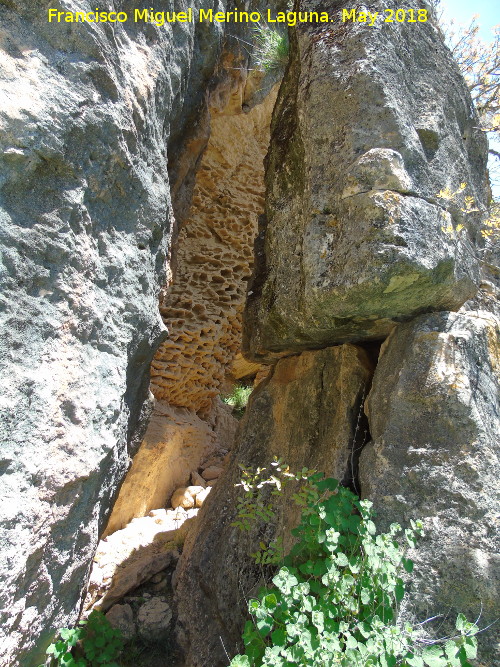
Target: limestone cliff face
{"points": [[102, 130], [370, 125], [87, 117], [435, 418]]}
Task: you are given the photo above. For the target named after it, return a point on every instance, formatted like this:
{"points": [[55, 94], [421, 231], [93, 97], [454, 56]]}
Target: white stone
{"points": [[201, 497]]}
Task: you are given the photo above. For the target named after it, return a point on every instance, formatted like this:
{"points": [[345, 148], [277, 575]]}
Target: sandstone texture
{"points": [[371, 123], [203, 307], [92, 117], [304, 412], [131, 556], [175, 443], [434, 417]]}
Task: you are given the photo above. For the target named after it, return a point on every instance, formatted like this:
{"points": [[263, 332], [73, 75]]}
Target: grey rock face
{"points": [[121, 617], [371, 124], [305, 412], [434, 417], [153, 620], [85, 215]]}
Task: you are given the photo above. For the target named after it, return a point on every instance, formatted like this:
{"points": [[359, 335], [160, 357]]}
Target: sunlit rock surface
{"points": [[434, 418], [371, 124]]}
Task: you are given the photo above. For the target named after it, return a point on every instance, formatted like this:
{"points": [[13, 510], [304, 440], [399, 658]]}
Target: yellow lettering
{"points": [[348, 15], [140, 15], [158, 19], [206, 14], [51, 11]]}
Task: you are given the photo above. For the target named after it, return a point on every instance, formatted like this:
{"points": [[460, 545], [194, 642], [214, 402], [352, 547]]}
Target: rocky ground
{"points": [[134, 572]]}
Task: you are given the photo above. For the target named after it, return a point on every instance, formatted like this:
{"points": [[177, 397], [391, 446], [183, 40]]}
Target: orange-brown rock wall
{"points": [[203, 307]]}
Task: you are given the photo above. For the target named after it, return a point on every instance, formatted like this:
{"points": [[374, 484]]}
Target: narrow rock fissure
{"points": [[360, 438], [191, 431]]}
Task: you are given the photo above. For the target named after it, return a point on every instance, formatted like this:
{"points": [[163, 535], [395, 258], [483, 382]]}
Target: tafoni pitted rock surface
{"points": [[132, 188]]}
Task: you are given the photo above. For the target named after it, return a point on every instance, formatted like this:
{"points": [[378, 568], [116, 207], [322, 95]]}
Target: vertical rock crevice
{"points": [[202, 306], [304, 412], [91, 116]]}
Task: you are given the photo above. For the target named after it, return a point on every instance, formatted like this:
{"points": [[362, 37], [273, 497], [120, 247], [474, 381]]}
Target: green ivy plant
{"points": [[92, 643], [335, 598]]}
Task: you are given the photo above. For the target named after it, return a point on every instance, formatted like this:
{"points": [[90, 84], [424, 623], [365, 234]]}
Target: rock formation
{"points": [[434, 419], [202, 309], [304, 412], [132, 176], [175, 443], [93, 118], [371, 124]]}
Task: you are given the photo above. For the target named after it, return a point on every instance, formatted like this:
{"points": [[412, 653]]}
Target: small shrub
{"points": [[91, 643], [271, 49], [238, 399], [335, 598]]}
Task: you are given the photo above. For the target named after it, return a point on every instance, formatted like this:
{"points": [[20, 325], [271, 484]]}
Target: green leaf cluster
{"points": [[92, 643], [335, 598], [238, 399], [271, 49]]}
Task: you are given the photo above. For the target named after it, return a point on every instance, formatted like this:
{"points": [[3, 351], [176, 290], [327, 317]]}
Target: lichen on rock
{"points": [[434, 419], [355, 237]]}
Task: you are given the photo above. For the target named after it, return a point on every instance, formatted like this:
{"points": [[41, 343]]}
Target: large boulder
{"points": [[306, 412], [371, 124], [88, 116], [175, 443], [434, 419]]}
